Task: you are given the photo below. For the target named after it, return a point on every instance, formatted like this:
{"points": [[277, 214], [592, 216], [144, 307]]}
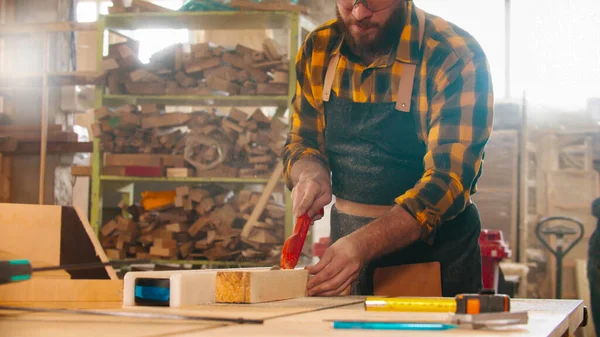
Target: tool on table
{"points": [[150, 315], [480, 321], [560, 231], [461, 304], [21, 270], [293, 245]]}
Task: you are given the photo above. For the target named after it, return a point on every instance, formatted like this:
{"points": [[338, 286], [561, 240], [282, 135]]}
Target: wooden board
{"points": [[62, 290], [52, 234], [256, 286], [66, 325], [419, 279]]}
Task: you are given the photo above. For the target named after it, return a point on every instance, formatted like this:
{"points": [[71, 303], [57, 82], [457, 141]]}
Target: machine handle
{"points": [[560, 232]]}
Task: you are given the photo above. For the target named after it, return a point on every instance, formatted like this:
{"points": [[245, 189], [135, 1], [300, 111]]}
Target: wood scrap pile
{"points": [[203, 223], [234, 145], [197, 69]]}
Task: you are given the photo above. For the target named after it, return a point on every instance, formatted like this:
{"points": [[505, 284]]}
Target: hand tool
{"points": [[21, 270], [293, 245], [461, 304], [480, 321], [150, 315], [560, 231]]}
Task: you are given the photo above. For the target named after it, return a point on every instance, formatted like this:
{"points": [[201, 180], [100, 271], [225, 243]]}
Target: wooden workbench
{"points": [[297, 317]]}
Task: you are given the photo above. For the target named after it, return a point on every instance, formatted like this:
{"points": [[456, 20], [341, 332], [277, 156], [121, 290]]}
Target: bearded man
{"points": [[392, 111]]}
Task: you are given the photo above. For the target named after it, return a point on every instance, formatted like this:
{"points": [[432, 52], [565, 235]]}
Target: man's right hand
{"points": [[312, 190]]}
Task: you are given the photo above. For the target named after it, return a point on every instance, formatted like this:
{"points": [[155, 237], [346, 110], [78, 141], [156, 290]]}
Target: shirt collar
{"points": [[408, 50]]}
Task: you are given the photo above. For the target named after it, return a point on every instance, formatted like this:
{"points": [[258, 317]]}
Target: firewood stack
{"points": [[233, 145], [198, 69], [202, 224]]}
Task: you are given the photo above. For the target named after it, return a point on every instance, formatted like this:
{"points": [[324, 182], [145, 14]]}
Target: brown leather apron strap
{"points": [[405, 88], [329, 76]]}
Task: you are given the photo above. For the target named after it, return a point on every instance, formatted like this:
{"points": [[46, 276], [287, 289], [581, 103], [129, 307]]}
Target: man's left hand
{"points": [[337, 269]]}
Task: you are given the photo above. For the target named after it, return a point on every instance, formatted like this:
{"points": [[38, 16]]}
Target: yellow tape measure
{"points": [[410, 304]]}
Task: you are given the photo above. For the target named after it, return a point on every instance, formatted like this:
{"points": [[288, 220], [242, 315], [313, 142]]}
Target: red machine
{"points": [[493, 250]]}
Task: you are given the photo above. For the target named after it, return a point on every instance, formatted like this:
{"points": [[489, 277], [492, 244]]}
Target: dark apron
{"points": [[375, 156]]}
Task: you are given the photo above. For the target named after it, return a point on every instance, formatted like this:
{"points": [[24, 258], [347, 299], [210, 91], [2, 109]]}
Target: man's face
{"points": [[371, 28]]}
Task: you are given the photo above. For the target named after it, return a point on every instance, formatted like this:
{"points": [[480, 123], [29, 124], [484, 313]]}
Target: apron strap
{"points": [[407, 79], [405, 88], [329, 75]]}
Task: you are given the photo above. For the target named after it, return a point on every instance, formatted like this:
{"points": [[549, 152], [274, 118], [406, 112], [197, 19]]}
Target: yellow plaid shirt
{"points": [[452, 96]]}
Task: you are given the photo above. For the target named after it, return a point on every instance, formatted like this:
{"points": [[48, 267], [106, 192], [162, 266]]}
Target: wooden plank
{"points": [[264, 199], [6, 167], [81, 171], [13, 29], [257, 286], [26, 148], [62, 290], [69, 325]]}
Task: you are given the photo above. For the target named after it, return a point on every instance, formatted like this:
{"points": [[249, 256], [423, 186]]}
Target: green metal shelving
{"points": [[124, 23]]}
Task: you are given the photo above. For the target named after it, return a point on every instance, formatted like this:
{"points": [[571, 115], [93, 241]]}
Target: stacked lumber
{"points": [[202, 223], [237, 144], [197, 69], [129, 129]]}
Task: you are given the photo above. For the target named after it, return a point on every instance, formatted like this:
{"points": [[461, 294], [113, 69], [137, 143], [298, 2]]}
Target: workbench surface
{"points": [[310, 316]]}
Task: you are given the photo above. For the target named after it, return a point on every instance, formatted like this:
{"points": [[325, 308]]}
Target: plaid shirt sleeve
{"points": [[460, 124], [305, 139]]}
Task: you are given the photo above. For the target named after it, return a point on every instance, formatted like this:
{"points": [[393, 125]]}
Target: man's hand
{"points": [[312, 190], [337, 269]]}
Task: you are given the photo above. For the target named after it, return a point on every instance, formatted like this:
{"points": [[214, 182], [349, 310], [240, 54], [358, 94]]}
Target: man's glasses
{"points": [[372, 5]]}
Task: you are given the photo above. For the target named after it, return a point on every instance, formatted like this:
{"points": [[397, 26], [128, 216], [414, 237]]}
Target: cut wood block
{"points": [[271, 49], [271, 89], [179, 173], [149, 109], [113, 159], [125, 120], [143, 75], [199, 65], [182, 191], [81, 171], [219, 84], [166, 120], [163, 252], [257, 74], [260, 285], [280, 77], [259, 117], [226, 72], [102, 113], [238, 115], [109, 63], [197, 194], [176, 227], [266, 65], [185, 80], [243, 50], [234, 59]]}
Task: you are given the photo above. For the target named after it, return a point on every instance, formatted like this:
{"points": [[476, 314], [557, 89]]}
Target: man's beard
{"points": [[387, 36]]}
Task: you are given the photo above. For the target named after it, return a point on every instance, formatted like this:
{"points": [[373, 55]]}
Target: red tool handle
{"points": [[292, 247]]}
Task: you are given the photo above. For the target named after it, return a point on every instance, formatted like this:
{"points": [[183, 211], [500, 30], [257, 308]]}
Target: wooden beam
{"points": [[48, 27], [262, 202], [261, 285], [27, 148]]}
